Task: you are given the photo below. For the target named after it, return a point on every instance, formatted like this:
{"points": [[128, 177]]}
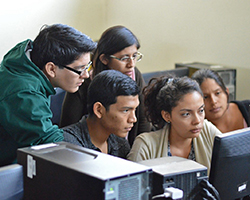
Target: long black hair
{"points": [[203, 74], [113, 40]]}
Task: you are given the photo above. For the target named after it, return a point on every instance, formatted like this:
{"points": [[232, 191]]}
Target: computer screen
{"points": [[230, 164], [178, 72]]}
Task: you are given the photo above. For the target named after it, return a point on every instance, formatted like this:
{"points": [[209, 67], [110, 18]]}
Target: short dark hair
{"points": [[60, 44], [203, 74], [113, 40], [164, 93], [107, 86]]}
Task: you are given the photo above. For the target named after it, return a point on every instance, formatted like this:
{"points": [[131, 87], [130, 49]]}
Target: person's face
{"points": [[71, 81], [215, 99], [120, 117], [187, 117], [125, 68]]}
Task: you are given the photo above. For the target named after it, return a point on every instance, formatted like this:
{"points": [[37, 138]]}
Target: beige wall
{"points": [[170, 31], [20, 20]]}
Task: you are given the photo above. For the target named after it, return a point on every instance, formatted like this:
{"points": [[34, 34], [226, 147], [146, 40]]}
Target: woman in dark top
{"points": [[117, 49], [226, 116]]}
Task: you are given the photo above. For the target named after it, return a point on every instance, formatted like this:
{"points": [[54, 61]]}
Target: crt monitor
{"points": [[230, 164]]}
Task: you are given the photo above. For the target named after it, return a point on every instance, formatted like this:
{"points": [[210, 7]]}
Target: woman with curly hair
{"points": [[175, 106]]}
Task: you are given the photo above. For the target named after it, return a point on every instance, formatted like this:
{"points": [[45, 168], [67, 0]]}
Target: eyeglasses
{"points": [[126, 59], [81, 71]]}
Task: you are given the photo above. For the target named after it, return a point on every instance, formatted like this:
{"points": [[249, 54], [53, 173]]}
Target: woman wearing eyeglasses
{"points": [[117, 49]]}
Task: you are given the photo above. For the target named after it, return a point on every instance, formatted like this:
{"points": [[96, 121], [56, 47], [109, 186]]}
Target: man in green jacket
{"points": [[58, 57]]}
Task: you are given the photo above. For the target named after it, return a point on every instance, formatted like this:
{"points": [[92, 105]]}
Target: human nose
{"points": [[131, 62], [132, 117], [197, 119], [213, 99], [84, 74]]}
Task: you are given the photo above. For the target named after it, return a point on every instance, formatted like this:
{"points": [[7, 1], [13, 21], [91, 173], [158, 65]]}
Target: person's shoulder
{"points": [[151, 136], [207, 125], [73, 129], [210, 129], [78, 131]]}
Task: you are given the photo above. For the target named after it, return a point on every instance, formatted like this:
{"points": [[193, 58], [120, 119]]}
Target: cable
{"points": [[172, 192], [166, 195]]}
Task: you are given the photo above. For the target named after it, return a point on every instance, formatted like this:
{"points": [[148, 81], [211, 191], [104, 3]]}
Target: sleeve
{"points": [[246, 114], [140, 150], [7, 154], [74, 106], [244, 107], [28, 119]]}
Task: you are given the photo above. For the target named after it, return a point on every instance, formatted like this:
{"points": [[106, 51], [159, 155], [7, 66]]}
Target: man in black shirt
{"points": [[112, 100]]}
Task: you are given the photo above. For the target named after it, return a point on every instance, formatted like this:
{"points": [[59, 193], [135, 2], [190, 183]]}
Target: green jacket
{"points": [[25, 115]]}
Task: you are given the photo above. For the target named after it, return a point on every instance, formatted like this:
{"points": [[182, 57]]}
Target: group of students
{"points": [[108, 107], [170, 119]]}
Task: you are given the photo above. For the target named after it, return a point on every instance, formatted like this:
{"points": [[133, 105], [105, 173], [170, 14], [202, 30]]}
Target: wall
{"points": [[23, 19], [170, 31], [178, 30]]}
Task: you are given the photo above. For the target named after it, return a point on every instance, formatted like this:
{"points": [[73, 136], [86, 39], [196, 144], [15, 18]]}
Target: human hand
{"points": [[205, 191]]}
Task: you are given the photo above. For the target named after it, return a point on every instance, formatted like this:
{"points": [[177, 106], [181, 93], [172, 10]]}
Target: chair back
{"points": [[11, 182]]}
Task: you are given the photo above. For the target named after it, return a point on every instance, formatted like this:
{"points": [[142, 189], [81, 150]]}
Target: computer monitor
{"points": [[178, 72], [230, 164]]}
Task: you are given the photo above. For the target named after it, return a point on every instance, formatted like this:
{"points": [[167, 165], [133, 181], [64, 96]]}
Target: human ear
{"points": [[104, 59], [50, 69], [98, 109], [166, 116]]}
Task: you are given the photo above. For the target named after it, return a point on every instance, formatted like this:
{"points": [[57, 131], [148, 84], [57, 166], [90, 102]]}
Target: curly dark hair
{"points": [[164, 93]]}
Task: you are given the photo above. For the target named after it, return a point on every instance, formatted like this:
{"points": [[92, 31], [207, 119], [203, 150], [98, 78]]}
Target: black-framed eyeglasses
{"points": [[81, 71], [126, 59]]}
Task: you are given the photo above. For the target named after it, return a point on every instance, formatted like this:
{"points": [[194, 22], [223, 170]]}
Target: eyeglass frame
{"points": [[88, 67], [131, 58]]}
